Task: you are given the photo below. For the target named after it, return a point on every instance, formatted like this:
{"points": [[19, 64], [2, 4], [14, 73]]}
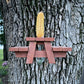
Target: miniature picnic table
{"points": [[49, 52]]}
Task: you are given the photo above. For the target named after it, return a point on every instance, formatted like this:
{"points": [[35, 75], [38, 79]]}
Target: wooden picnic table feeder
{"points": [[49, 51]]}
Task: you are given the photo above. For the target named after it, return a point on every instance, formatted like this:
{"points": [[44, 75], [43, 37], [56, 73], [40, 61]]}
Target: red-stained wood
{"points": [[31, 52], [30, 39], [18, 49], [23, 49], [40, 54], [21, 54], [53, 48], [49, 52], [61, 48], [37, 54], [40, 43], [49, 39], [13, 48], [59, 54], [39, 39]]}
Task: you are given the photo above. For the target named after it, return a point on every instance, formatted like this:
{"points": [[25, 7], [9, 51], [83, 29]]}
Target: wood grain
{"points": [[31, 52], [49, 52]]}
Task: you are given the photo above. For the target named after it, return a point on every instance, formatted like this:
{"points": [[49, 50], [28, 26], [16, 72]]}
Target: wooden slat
{"points": [[30, 39], [53, 48], [39, 39], [21, 54], [18, 49], [23, 49], [49, 39], [31, 52], [37, 54], [40, 54], [49, 52], [13, 48], [61, 48], [59, 54]]}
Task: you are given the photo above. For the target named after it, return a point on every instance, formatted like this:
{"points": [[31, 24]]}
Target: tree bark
{"points": [[64, 20], [5, 53]]}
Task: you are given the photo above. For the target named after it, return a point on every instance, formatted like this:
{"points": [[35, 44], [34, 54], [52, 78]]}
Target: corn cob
{"points": [[7, 1], [40, 25]]}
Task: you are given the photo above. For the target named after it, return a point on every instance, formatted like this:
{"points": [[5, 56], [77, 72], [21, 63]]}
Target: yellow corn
{"points": [[40, 25], [7, 1]]}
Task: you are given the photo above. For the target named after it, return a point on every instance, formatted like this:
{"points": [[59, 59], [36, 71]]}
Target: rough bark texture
{"points": [[64, 20], [5, 51]]}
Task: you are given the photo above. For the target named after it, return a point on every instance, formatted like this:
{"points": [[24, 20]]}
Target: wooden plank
{"points": [[37, 54], [39, 39], [49, 39], [60, 54], [31, 52], [23, 49], [49, 52], [21, 54], [13, 48], [61, 48], [40, 43], [30, 39], [40, 54], [18, 49]]}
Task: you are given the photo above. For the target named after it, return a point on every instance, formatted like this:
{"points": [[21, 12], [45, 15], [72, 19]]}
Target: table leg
{"points": [[31, 52], [49, 52]]}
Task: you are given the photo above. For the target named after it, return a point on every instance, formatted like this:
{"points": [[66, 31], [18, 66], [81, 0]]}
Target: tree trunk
{"points": [[64, 20], [5, 53]]}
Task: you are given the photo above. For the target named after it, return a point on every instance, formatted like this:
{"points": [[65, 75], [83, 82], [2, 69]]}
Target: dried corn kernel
{"points": [[40, 25]]}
